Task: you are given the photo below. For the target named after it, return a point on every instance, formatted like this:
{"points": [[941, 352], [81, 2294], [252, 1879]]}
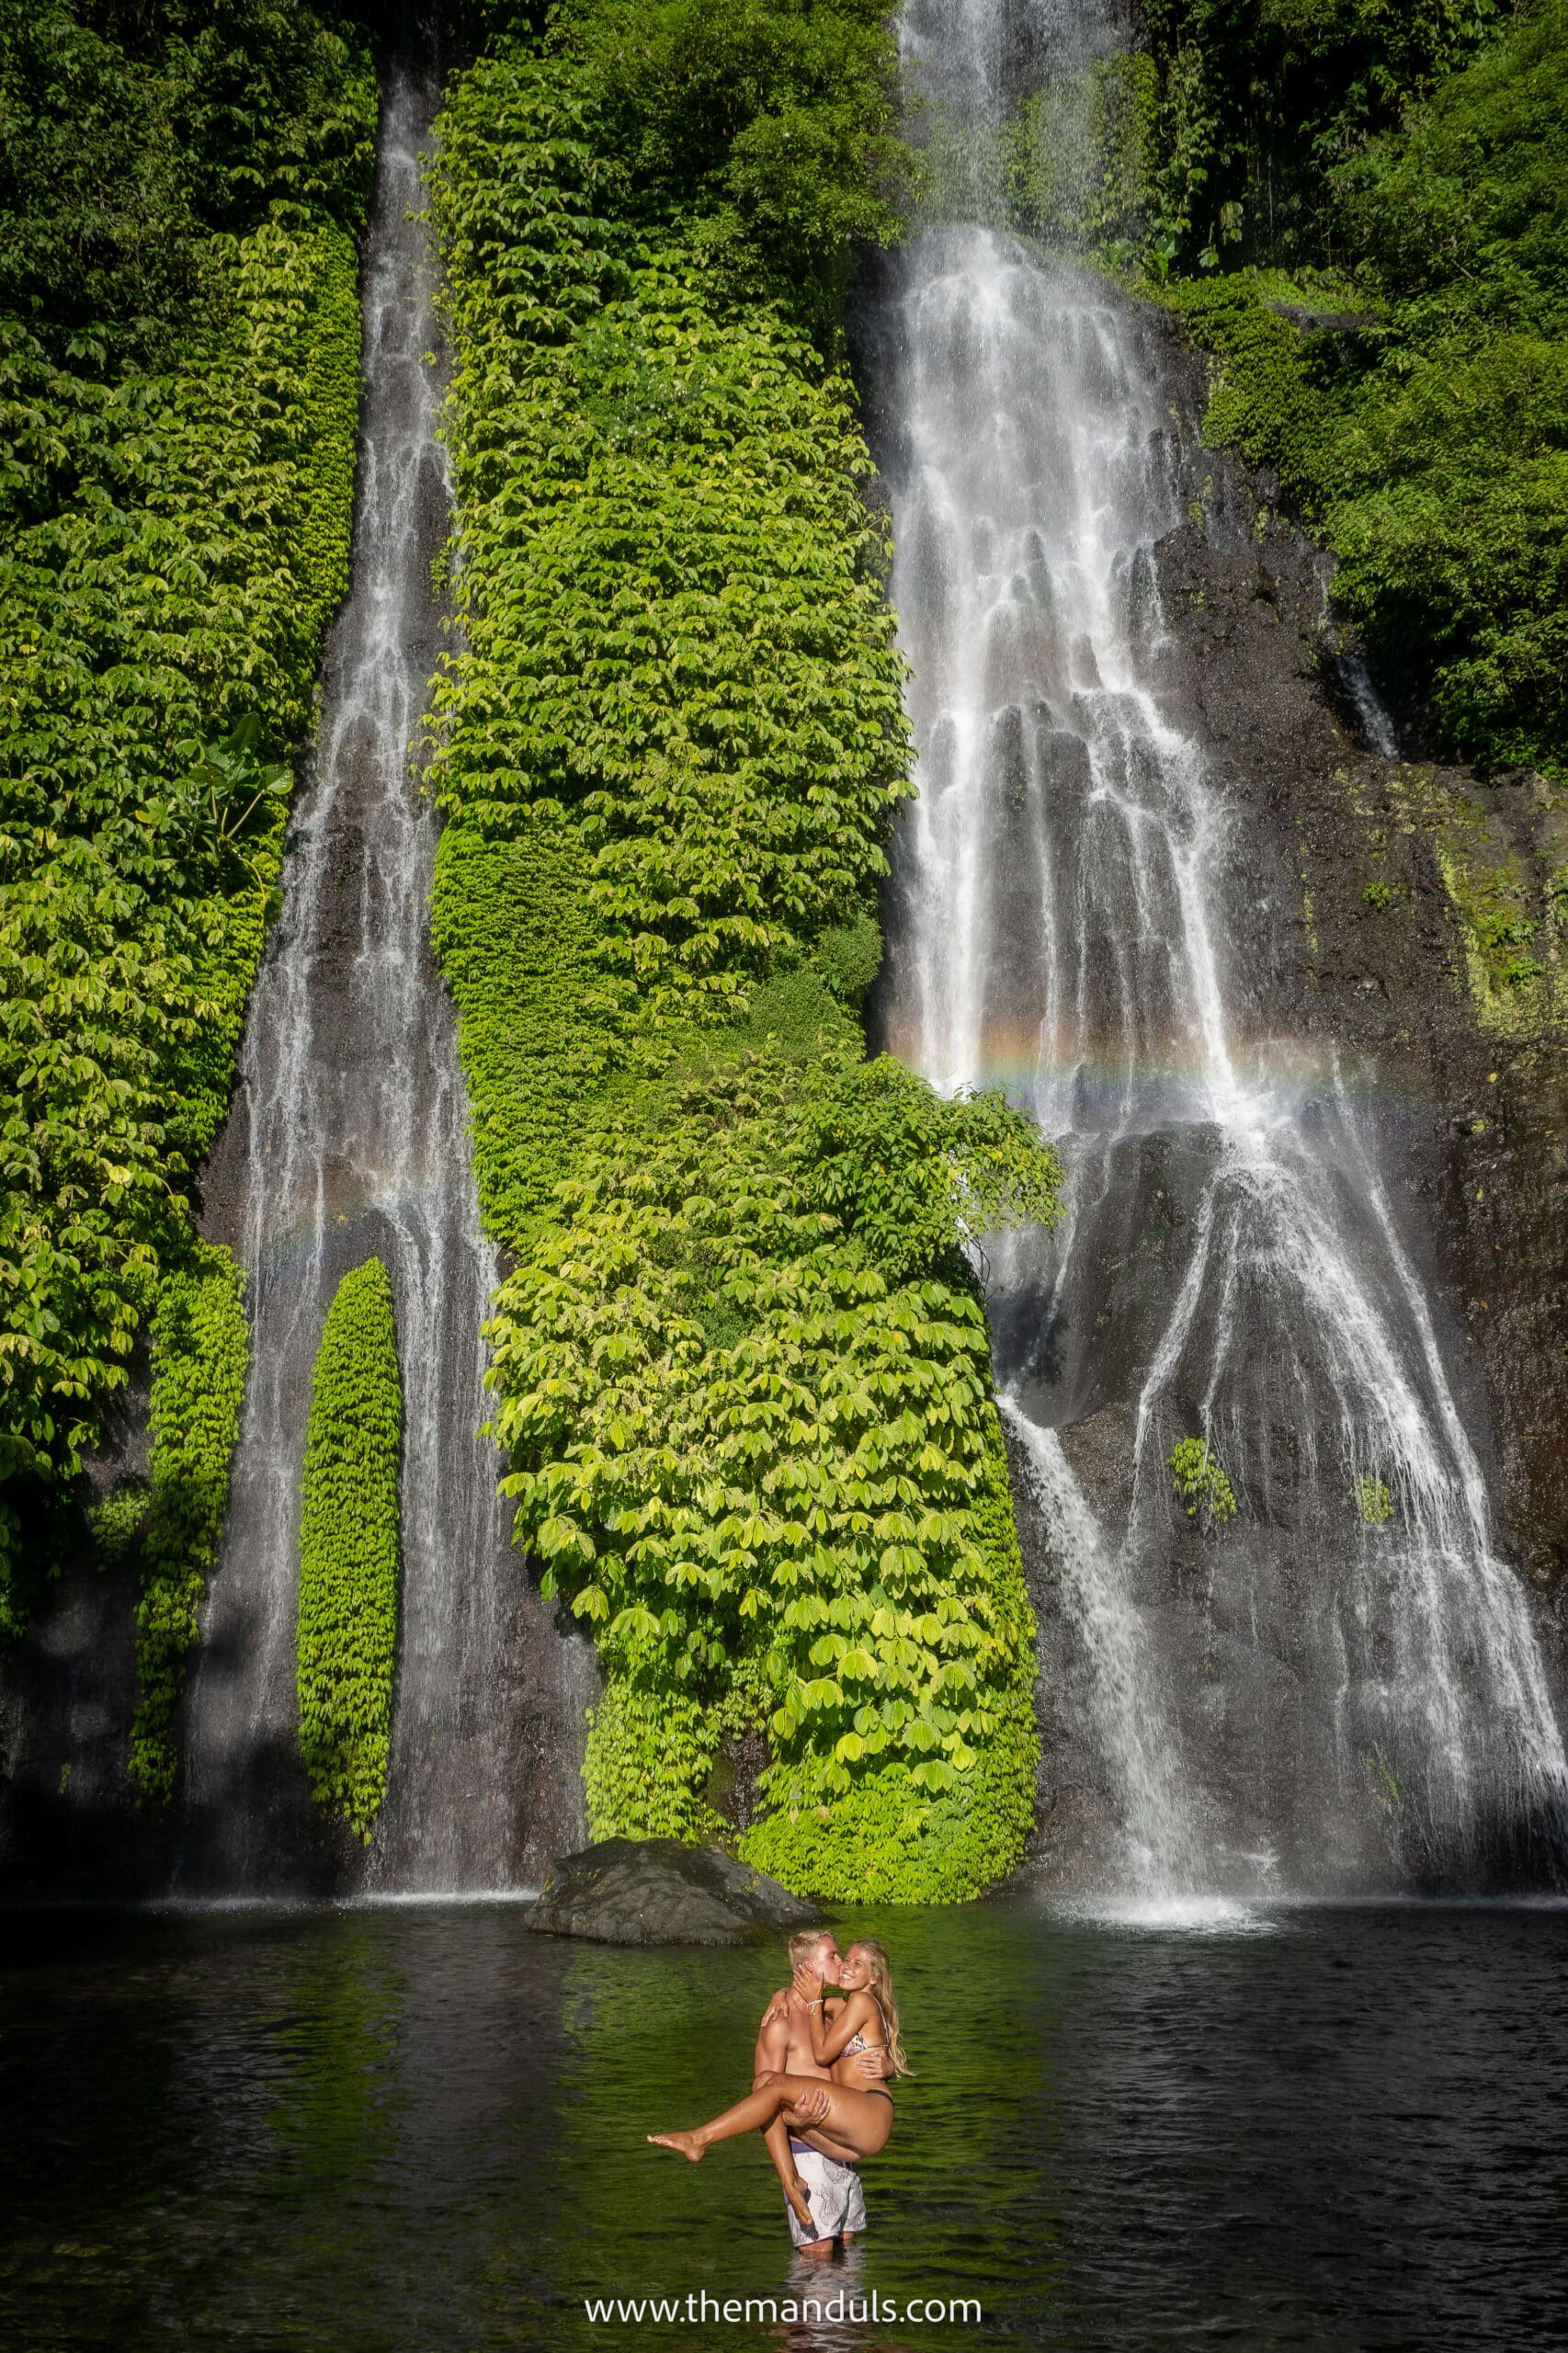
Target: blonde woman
{"points": [[856, 2117]]}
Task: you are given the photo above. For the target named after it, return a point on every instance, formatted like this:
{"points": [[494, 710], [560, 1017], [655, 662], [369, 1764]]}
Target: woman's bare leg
{"points": [[752, 2114], [858, 2118]]}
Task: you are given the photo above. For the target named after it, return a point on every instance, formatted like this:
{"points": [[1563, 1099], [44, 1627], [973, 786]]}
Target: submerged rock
{"points": [[656, 1892]]}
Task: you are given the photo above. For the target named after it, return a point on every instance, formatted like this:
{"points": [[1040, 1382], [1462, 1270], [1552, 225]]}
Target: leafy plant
{"points": [[176, 508], [769, 130], [200, 1345], [131, 140], [350, 1521], [740, 1367], [1201, 1487], [1255, 103], [116, 1522], [849, 955], [1426, 442], [814, 1503], [1373, 1500]]}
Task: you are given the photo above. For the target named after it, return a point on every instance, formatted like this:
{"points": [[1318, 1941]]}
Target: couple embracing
{"points": [[827, 2043]]}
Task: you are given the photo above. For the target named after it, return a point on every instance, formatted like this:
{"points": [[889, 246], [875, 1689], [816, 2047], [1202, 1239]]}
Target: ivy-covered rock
{"points": [[747, 1387], [179, 342], [200, 1344], [741, 1367], [349, 1519]]}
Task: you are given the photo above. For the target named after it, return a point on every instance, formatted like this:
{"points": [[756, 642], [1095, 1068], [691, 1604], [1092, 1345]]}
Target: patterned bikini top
{"points": [[859, 2042]]}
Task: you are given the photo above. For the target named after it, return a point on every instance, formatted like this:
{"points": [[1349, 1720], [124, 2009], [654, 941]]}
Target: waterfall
{"points": [[348, 1139], [1342, 1687], [1160, 1844]]}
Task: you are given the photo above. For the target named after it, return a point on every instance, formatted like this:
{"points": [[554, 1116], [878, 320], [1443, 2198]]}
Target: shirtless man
{"points": [[828, 2169]]}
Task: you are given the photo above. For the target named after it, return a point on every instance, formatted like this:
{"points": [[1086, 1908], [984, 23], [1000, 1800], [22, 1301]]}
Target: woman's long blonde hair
{"points": [[881, 1987]]}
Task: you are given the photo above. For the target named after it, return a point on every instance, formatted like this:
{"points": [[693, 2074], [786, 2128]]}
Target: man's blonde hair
{"points": [[802, 1947]]}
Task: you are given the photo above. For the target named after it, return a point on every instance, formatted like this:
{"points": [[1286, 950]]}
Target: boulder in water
{"points": [[656, 1892]]}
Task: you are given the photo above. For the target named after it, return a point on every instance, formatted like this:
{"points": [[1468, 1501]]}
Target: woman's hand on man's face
{"points": [[808, 1982]]}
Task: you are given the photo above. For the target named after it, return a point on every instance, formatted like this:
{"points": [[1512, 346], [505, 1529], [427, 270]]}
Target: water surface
{"points": [[371, 2131]]}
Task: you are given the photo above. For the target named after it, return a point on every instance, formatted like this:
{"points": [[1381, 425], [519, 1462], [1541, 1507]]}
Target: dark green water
{"points": [[421, 2128]]}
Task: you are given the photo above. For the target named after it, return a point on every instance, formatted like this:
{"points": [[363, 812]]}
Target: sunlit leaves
{"points": [[675, 636], [348, 1551], [741, 1368], [686, 1462], [162, 591]]}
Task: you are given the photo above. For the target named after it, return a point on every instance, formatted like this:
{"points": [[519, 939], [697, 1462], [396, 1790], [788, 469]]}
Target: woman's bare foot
{"points": [[685, 2144], [795, 2191]]}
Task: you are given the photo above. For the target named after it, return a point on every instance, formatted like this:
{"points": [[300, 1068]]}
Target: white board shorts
{"points": [[838, 2202]]}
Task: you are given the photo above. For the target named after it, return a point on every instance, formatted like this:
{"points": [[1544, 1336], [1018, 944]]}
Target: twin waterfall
{"points": [[1339, 1688]]}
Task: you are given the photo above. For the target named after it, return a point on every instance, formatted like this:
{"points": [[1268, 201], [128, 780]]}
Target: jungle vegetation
{"points": [[349, 1532], [1362, 210], [741, 1368], [180, 191], [1357, 207]]}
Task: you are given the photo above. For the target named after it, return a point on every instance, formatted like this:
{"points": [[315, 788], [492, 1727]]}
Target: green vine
{"points": [[745, 1383], [740, 1367], [649, 1754], [178, 397], [1373, 1500], [348, 1551], [1412, 397], [1201, 1487], [200, 1344]]}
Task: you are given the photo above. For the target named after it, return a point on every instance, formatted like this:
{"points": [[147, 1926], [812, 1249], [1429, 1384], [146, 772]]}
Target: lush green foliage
{"points": [[746, 1386], [350, 1521], [1260, 100], [680, 652], [1430, 445], [175, 508], [740, 1367], [1373, 1500], [201, 1342], [130, 133], [766, 128], [1201, 1482]]}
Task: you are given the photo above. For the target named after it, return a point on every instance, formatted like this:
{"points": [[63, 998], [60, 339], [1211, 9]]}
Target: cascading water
{"points": [[348, 1139], [1342, 1689]]}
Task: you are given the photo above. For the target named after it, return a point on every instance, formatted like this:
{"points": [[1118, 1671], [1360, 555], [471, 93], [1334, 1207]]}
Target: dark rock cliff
{"points": [[1404, 924], [1423, 895]]}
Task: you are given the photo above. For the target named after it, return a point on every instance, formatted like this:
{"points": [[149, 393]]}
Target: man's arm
{"points": [[869, 2065], [772, 2044]]}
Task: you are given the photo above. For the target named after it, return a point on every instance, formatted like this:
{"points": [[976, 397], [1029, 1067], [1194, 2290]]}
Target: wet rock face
{"points": [[1418, 896], [1386, 934], [656, 1892], [1396, 911]]}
